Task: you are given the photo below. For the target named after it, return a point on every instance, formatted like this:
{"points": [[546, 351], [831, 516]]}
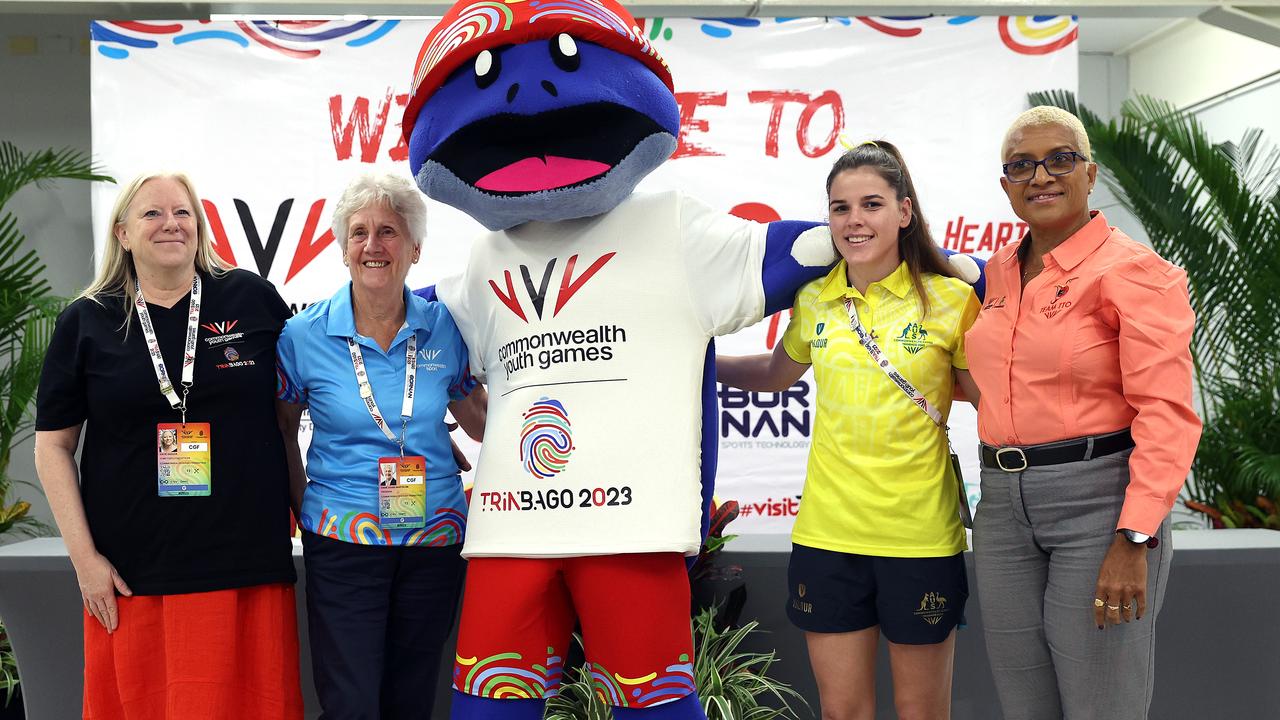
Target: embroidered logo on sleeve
{"points": [[818, 342]]}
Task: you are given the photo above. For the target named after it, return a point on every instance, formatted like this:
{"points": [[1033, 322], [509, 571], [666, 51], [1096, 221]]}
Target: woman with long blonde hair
{"points": [[176, 518]]}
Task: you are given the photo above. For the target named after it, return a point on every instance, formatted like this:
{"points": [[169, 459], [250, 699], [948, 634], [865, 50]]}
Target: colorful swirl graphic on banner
{"points": [[902, 26], [546, 439], [721, 28], [645, 691], [299, 39], [1039, 34], [654, 27], [444, 528], [504, 676]]}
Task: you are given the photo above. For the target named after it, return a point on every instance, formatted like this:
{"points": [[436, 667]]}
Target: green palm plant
{"points": [[733, 683], [27, 311], [1214, 209]]}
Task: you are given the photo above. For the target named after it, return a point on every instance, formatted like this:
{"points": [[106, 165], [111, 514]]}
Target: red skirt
{"points": [[200, 656]]}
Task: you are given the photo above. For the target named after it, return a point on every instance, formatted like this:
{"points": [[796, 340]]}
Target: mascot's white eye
{"points": [[487, 68], [564, 51]]}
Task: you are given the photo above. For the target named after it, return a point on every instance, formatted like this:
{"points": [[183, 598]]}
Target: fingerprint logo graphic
{"points": [[546, 439]]}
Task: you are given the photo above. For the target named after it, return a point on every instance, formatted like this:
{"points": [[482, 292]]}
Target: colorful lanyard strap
{"points": [[366, 390], [188, 350], [884, 364]]}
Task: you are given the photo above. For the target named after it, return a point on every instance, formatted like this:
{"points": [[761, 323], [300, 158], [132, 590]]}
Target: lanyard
{"points": [[366, 391], [884, 364], [188, 350]]}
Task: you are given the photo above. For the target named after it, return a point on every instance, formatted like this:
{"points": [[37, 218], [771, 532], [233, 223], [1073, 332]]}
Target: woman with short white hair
{"points": [[1082, 355], [381, 504]]}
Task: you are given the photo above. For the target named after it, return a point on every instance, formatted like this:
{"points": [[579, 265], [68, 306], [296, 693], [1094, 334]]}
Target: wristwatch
{"points": [[1138, 538]]}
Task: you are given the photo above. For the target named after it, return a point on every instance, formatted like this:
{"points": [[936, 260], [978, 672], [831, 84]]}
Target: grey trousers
{"points": [[1039, 538]]}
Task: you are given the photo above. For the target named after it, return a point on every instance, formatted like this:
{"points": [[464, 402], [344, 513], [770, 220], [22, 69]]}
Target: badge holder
{"points": [[183, 459], [402, 494]]}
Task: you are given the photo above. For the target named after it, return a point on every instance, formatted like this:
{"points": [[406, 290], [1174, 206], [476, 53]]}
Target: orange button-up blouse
{"points": [[1100, 341]]}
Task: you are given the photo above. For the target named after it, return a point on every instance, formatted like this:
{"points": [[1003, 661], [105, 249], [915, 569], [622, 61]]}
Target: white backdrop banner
{"points": [[271, 119]]}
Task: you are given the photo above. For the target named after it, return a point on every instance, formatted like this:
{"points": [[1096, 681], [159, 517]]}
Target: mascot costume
{"points": [[589, 311]]}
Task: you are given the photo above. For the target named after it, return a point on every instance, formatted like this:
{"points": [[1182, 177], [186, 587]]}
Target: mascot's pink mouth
{"points": [[541, 173]]}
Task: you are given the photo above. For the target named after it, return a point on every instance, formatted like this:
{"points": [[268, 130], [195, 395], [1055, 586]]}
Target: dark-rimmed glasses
{"points": [[1059, 163]]}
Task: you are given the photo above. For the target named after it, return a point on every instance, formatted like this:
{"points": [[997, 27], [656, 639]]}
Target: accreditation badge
{"points": [[183, 459], [402, 492]]}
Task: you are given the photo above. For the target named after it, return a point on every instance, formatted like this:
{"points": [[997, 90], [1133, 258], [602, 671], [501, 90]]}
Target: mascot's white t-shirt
{"points": [[591, 336]]}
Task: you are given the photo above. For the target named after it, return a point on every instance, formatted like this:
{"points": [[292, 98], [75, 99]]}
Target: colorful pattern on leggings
{"points": [[675, 682], [508, 675]]}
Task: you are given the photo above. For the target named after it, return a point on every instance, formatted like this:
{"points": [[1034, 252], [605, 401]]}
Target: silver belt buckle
{"points": [[1000, 454]]}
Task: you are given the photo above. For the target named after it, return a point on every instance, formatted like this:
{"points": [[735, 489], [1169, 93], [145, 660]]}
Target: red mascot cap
{"points": [[470, 27]]}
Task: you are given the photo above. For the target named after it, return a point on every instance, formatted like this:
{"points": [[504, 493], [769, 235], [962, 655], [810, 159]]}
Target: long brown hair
{"points": [[916, 246]]}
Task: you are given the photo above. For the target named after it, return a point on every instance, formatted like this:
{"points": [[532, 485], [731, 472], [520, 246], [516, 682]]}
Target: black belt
{"points": [[1017, 459]]}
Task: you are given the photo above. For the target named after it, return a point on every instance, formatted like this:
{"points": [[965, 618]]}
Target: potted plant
{"points": [[733, 683], [27, 311], [713, 581], [1214, 209]]}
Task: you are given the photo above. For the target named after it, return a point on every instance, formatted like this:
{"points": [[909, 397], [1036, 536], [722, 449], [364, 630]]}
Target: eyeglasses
{"points": [[1059, 163]]}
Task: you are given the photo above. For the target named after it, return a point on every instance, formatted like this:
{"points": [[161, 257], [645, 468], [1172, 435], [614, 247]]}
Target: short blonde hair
{"points": [[1043, 115], [398, 193], [116, 274]]}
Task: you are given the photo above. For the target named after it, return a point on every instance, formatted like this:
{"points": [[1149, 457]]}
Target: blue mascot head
{"points": [[537, 110]]}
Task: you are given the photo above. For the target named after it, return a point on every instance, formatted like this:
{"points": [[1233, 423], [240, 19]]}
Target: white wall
{"points": [[1256, 106], [1193, 62]]}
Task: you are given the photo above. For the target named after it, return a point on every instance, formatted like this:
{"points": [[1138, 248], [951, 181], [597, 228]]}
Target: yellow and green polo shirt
{"points": [[879, 480]]}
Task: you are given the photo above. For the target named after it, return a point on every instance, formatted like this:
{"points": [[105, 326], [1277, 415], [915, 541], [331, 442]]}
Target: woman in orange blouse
{"points": [[1087, 432]]}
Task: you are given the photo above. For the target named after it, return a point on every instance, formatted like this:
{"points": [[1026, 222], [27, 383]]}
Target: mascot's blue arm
{"points": [[783, 274]]}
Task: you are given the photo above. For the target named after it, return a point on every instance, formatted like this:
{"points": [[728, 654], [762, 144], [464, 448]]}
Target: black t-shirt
{"points": [[98, 375]]}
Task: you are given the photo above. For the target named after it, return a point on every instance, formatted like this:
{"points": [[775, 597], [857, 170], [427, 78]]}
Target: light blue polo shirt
{"points": [[341, 499]]}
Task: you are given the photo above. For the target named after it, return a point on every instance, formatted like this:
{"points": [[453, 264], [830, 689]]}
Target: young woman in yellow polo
{"points": [[878, 544]]}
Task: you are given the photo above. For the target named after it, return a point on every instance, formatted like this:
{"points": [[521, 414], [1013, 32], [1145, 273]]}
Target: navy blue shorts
{"points": [[915, 601]]}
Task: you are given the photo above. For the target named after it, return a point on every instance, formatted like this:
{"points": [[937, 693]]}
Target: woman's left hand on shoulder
{"points": [[1121, 593]]}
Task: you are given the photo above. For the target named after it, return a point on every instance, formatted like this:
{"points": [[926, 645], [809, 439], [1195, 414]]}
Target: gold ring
{"points": [[1115, 608], [1127, 607], [1097, 602]]}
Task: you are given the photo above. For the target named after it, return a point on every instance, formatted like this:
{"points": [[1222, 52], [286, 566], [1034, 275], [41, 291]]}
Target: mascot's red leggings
{"points": [[518, 616]]}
